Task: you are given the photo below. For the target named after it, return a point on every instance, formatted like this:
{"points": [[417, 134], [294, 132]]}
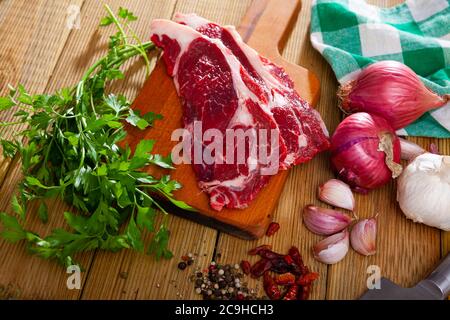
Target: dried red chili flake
{"points": [[184, 258], [256, 250], [295, 255], [260, 267], [269, 254], [285, 279], [280, 266], [291, 293], [272, 229], [288, 259], [270, 287], [305, 292], [293, 276], [307, 279], [304, 269], [245, 266], [298, 260]]}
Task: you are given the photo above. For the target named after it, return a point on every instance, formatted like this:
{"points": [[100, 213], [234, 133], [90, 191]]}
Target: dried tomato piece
{"points": [[260, 267], [245, 266], [256, 250], [270, 287], [291, 293], [307, 279], [285, 279], [272, 229]]}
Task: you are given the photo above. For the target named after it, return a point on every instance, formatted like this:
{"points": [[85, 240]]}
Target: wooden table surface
{"points": [[38, 50]]}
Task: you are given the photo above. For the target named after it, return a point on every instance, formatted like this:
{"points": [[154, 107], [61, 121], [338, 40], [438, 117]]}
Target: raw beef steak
{"points": [[208, 79], [226, 85], [301, 127]]}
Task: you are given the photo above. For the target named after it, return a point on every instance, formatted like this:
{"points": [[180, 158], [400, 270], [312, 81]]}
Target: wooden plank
{"points": [[33, 34], [444, 148], [30, 277], [30, 48], [301, 185], [147, 278], [38, 278], [406, 251], [158, 95]]}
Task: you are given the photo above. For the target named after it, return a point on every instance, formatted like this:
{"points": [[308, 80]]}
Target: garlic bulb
{"points": [[423, 190]]}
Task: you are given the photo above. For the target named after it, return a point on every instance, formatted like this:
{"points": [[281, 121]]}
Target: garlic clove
{"points": [[332, 249], [337, 193], [363, 236], [410, 150], [325, 221]]}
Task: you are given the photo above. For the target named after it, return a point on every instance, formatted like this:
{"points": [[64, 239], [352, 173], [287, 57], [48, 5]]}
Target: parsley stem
{"points": [[117, 23], [5, 124], [128, 52], [24, 107], [142, 51], [152, 200], [72, 134]]}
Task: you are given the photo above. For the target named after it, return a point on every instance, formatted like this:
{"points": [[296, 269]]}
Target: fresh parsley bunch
{"points": [[69, 149]]}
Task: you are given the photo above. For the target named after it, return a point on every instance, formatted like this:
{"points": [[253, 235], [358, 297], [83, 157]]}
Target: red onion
{"points": [[391, 90], [365, 151]]}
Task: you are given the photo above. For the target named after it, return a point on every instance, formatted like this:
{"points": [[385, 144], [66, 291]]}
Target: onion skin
{"points": [[391, 90], [355, 154]]}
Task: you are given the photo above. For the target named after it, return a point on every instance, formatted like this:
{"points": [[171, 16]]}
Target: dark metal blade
{"points": [[391, 291]]}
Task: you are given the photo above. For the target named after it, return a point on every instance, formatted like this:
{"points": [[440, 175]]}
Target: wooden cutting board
{"points": [[265, 27]]}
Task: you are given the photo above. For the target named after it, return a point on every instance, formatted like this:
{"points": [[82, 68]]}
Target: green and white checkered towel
{"points": [[351, 34]]}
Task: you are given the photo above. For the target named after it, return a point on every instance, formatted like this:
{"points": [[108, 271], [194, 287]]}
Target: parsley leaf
{"points": [[43, 212], [69, 148]]}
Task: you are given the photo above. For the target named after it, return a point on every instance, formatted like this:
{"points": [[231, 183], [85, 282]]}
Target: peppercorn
{"points": [[222, 282], [182, 265], [198, 282]]}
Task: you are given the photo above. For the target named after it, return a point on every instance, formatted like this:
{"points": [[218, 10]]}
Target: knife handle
{"points": [[440, 277]]}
